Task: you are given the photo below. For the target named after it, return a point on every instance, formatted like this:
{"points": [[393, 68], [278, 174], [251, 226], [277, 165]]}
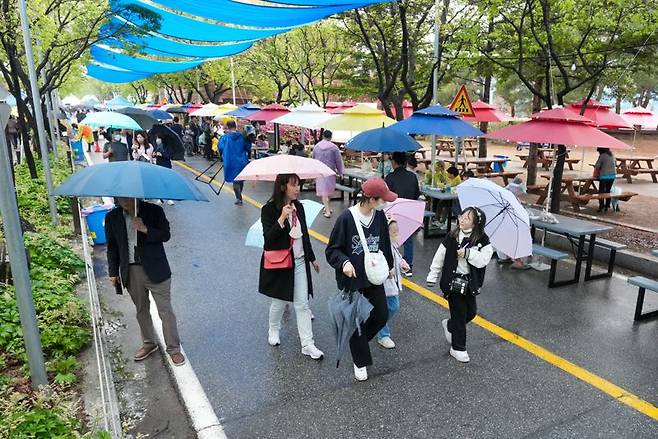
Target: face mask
{"points": [[117, 137], [380, 206], [158, 141]]}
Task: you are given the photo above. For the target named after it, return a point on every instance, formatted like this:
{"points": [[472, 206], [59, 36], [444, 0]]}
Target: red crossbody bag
{"points": [[278, 259]]}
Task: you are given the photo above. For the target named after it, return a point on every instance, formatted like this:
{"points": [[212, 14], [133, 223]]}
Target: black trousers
{"points": [[463, 309], [237, 188], [377, 320], [605, 185]]}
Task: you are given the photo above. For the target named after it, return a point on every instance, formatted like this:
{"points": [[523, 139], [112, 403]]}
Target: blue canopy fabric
{"points": [[118, 102], [127, 62], [436, 120], [215, 21], [113, 75], [382, 140], [244, 14]]}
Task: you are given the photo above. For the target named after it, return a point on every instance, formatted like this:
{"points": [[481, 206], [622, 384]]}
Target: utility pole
{"points": [[233, 80], [36, 106], [435, 74], [18, 261]]}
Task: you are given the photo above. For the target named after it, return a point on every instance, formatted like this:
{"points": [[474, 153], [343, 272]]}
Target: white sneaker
{"points": [[360, 373], [313, 352], [386, 342], [461, 356], [447, 333], [273, 338], [409, 274], [170, 202]]}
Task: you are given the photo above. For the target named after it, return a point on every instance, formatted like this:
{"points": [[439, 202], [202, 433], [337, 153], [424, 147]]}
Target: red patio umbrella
{"points": [[601, 115], [641, 117], [486, 113], [558, 126], [339, 107], [268, 113]]}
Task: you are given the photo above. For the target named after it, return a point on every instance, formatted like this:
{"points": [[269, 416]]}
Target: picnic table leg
{"points": [[580, 256], [449, 220]]}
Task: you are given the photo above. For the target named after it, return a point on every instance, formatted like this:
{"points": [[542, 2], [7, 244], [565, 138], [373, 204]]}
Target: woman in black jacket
{"points": [[345, 253], [284, 228], [464, 254]]}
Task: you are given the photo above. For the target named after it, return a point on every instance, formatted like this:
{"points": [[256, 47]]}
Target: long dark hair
{"points": [[604, 151], [147, 144], [279, 192], [479, 221]]}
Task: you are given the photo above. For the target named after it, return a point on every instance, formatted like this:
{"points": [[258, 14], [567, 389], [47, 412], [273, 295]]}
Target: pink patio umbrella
{"points": [[486, 113], [641, 117], [266, 169], [600, 114]]}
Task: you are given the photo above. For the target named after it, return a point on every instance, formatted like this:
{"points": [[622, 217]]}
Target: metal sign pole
{"points": [[18, 260], [36, 107], [435, 76]]}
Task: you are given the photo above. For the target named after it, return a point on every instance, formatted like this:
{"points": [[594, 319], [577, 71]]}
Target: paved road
{"points": [[416, 390]]}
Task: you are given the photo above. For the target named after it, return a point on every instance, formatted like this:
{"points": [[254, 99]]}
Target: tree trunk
{"points": [[556, 189]]}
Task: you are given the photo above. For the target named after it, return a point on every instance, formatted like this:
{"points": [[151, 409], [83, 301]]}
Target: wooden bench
{"points": [[652, 172], [613, 247], [546, 163], [351, 192], [504, 175], [586, 198], [643, 284], [554, 256]]}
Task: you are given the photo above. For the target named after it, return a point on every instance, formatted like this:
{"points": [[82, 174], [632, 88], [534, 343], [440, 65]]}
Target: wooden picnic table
{"points": [[629, 166], [545, 158], [506, 175], [449, 146], [580, 233], [577, 190]]}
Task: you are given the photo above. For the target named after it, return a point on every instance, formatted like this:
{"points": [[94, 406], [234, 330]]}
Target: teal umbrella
{"points": [[110, 119]]}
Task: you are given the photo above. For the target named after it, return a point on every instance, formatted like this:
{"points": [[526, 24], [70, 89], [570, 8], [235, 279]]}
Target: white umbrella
{"points": [[71, 100], [508, 224], [206, 110], [306, 116]]}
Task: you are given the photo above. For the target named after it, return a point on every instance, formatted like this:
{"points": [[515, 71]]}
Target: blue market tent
{"points": [[189, 33]]}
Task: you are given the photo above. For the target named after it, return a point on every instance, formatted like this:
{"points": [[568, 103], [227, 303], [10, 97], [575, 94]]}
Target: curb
{"points": [[199, 410]]}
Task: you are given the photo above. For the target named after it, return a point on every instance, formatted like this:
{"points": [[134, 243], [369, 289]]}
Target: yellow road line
{"points": [[582, 374]]}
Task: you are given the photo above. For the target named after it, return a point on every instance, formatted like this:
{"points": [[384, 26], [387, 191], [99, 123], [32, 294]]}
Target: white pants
{"points": [[300, 303]]}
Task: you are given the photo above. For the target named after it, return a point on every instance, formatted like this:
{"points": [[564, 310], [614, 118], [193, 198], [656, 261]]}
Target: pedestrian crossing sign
{"points": [[462, 103]]}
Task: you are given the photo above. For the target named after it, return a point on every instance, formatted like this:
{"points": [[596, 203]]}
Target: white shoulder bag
{"points": [[375, 264]]}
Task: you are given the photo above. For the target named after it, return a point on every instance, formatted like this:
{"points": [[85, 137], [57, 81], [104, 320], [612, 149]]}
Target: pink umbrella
{"points": [[486, 113], [601, 115], [268, 113], [641, 117], [558, 126], [266, 169], [408, 214]]}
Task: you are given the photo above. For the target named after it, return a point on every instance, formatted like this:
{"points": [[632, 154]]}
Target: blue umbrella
{"points": [[161, 115], [118, 102], [244, 111], [110, 119], [382, 140], [436, 120], [130, 179]]}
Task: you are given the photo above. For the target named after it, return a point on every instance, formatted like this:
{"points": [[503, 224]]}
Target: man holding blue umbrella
{"points": [[137, 260]]}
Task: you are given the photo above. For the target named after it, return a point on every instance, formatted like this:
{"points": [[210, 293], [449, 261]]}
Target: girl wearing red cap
{"points": [[345, 252]]}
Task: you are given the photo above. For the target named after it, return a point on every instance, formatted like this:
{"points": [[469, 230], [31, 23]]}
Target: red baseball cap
{"points": [[376, 187]]}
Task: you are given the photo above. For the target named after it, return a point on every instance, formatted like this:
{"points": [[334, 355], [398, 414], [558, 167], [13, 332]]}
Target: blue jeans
{"points": [[393, 303], [409, 250]]}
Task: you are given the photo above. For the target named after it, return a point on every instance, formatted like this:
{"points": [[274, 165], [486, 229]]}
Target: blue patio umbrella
{"points": [[382, 140], [436, 120], [161, 115], [118, 102], [110, 119], [245, 110], [130, 179]]}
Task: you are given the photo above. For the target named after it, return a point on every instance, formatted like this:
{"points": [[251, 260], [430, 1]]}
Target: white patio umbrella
{"points": [[71, 100], [205, 111], [507, 221], [306, 116]]}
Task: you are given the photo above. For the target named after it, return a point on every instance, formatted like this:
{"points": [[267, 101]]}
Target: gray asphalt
{"points": [[416, 390]]}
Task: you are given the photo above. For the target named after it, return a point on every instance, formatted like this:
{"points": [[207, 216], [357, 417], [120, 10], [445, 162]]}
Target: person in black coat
{"points": [[345, 253], [137, 260], [284, 228]]}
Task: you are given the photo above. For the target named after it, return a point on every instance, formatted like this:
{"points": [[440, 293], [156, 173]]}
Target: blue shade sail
{"points": [[117, 76], [160, 46], [178, 26], [322, 2], [257, 15], [128, 62]]}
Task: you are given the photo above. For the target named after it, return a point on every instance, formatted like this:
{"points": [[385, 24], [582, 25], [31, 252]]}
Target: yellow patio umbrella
{"points": [[359, 118]]}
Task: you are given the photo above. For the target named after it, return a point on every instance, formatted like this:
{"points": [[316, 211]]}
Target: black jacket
{"points": [[476, 275], [280, 284], [404, 183], [149, 246], [345, 245]]}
